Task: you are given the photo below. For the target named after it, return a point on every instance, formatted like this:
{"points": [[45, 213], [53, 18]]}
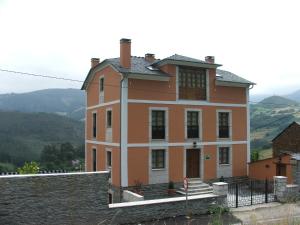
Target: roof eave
{"points": [[187, 63], [233, 84], [100, 66]]}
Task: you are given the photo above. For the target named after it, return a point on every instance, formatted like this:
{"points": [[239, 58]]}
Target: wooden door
{"points": [[193, 163]]}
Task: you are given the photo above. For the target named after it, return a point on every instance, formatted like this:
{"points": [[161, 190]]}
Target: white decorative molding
{"points": [[124, 133], [179, 144], [102, 105], [102, 143], [185, 102]]}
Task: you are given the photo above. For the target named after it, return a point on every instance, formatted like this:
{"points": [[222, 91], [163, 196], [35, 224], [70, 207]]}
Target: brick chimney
{"points": [[150, 57], [94, 62], [210, 59], [125, 53]]}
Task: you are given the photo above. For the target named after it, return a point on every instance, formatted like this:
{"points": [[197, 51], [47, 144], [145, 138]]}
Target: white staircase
{"points": [[196, 187]]}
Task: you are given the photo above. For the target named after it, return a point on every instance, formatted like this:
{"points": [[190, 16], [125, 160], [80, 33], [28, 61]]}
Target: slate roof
{"points": [[223, 75], [140, 66], [181, 58]]}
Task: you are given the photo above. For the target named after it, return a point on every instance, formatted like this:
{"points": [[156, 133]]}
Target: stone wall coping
{"points": [[220, 183], [51, 174], [159, 201], [134, 194], [291, 185], [280, 177]]}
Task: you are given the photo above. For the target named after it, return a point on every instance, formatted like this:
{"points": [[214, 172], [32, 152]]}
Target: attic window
{"points": [[151, 68]]}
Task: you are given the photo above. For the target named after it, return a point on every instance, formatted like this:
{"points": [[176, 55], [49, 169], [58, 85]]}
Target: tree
{"points": [[29, 168]]}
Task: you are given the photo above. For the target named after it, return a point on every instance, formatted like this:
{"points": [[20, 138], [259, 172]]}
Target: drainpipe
{"points": [[124, 76]]}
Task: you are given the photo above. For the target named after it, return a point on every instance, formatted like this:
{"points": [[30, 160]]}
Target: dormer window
{"points": [[192, 83]]}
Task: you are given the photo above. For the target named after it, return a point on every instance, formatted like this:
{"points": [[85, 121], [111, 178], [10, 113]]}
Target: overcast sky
{"points": [[258, 40]]}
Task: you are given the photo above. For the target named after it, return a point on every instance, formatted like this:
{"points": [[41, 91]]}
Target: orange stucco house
{"points": [[152, 121]]}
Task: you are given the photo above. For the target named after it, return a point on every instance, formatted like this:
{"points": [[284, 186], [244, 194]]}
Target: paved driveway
{"points": [[272, 213]]}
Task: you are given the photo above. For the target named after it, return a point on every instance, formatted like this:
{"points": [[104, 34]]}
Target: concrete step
{"points": [[202, 185], [197, 190], [195, 193], [191, 182]]}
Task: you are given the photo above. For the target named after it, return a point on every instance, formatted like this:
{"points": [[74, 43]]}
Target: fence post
{"points": [[251, 191], [236, 195], [266, 190]]}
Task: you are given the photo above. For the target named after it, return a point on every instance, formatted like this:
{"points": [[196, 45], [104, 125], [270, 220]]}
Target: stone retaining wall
{"points": [[82, 199]]}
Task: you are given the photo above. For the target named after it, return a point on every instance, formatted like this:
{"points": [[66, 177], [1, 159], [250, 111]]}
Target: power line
{"points": [[40, 75], [131, 87]]}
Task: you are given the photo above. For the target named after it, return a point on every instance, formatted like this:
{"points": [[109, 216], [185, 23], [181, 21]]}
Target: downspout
{"points": [[120, 164]]}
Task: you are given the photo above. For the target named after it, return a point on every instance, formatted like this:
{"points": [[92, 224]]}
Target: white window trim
{"points": [[199, 123], [230, 124], [111, 122], [187, 100], [107, 166], [166, 109], [230, 155], [101, 93], [94, 112], [92, 156], [166, 158]]}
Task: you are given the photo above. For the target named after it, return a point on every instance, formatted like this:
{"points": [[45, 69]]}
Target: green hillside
{"points": [[66, 102], [23, 135], [269, 117]]}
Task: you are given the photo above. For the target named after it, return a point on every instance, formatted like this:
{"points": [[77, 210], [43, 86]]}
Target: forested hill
{"points": [[67, 102], [23, 135], [269, 117]]}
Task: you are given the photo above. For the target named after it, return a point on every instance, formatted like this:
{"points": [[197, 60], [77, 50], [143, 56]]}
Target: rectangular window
{"points": [[158, 124], [224, 125], [108, 118], [94, 160], [158, 159], [101, 85], [94, 125], [224, 155], [108, 158], [192, 124], [192, 83]]}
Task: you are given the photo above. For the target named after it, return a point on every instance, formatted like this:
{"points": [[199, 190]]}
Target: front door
{"points": [[193, 163]]}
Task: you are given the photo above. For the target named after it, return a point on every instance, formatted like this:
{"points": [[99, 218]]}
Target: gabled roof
{"points": [[185, 61], [223, 75], [143, 68], [292, 124]]}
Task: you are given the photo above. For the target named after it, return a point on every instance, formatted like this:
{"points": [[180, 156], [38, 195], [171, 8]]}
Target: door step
{"points": [[196, 187]]}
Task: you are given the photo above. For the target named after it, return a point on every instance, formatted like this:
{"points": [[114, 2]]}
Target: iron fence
{"points": [[251, 192]]}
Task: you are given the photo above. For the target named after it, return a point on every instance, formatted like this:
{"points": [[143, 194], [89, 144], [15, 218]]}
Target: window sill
{"points": [[224, 164], [159, 140], [224, 139], [193, 139], [161, 169]]}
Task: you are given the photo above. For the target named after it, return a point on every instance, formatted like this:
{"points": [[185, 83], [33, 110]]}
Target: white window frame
{"points": [[166, 109], [96, 113], [165, 159], [111, 157], [106, 118], [199, 123], [101, 93], [94, 148], [230, 124], [229, 155]]}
